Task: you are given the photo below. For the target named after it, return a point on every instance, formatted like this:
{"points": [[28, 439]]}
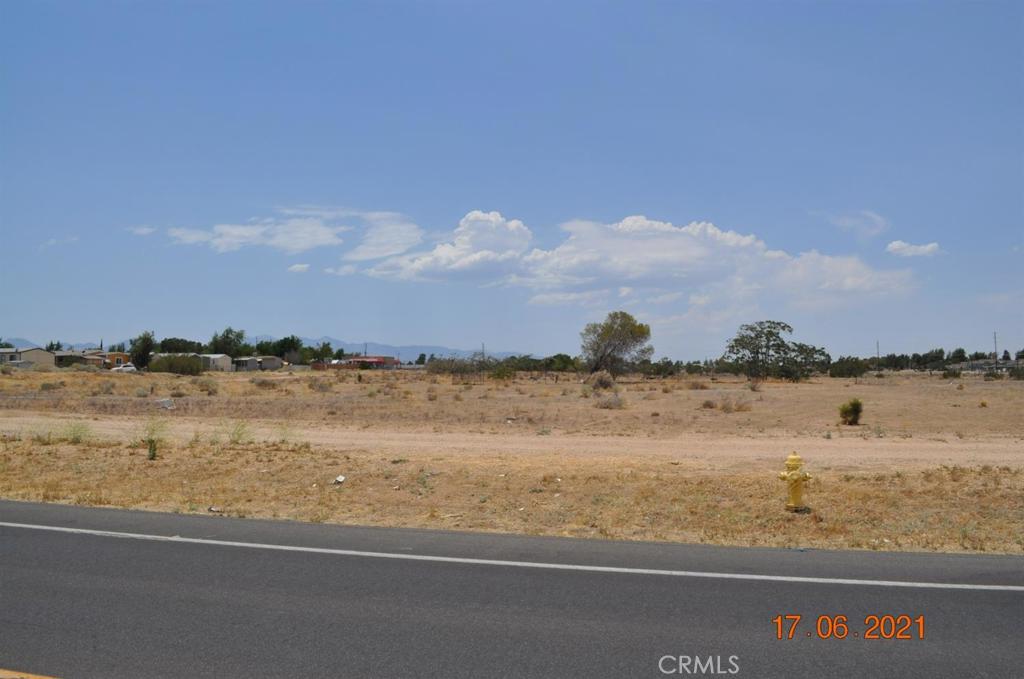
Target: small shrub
{"points": [[178, 393], [179, 365], [850, 412], [960, 387], [585, 391], [51, 386], [206, 384], [983, 404], [754, 385], [667, 388], [6, 370], [950, 374], [151, 446], [602, 379], [610, 402], [431, 394], [84, 368], [992, 375], [320, 385], [264, 383], [1016, 373], [696, 385], [141, 393], [240, 433], [709, 405], [503, 372], [457, 396], [742, 407], [76, 432]]}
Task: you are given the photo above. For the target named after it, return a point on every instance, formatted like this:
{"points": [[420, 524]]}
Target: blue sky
{"points": [[457, 172]]}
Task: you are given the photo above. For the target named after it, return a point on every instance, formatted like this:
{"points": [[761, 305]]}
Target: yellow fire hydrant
{"points": [[795, 477]]}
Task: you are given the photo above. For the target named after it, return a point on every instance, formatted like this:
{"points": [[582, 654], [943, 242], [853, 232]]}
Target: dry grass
{"points": [[687, 459], [947, 508]]}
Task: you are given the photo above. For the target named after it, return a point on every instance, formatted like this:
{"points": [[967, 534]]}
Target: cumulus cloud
{"points": [[903, 249], [346, 270], [142, 230], [865, 223], [483, 243], [299, 268]]}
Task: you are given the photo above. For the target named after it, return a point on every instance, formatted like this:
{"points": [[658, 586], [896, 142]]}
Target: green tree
{"points": [[230, 342], [54, 346], [612, 344], [176, 345], [421, 359], [142, 347], [117, 347], [759, 348], [340, 354], [848, 366], [1006, 355], [958, 355], [6, 345]]}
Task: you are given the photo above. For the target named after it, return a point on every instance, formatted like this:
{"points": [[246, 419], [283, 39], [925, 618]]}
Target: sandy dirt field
{"points": [[935, 464]]}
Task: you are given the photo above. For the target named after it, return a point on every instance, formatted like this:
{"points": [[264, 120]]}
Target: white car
{"points": [[126, 368]]}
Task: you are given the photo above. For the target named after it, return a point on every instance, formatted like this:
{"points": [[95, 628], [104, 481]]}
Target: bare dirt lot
{"points": [[935, 464]]}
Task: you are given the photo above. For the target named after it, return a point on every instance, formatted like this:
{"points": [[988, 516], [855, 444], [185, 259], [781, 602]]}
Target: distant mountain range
{"points": [[406, 352]]}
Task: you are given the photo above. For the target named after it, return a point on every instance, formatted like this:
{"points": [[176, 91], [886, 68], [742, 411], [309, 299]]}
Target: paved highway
{"points": [[134, 594]]}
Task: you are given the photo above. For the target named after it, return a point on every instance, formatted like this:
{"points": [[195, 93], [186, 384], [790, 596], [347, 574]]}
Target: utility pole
{"points": [[995, 347], [878, 356]]}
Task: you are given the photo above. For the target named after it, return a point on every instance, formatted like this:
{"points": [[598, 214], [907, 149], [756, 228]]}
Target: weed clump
{"points": [[206, 384], [850, 412], [611, 402], [602, 379]]}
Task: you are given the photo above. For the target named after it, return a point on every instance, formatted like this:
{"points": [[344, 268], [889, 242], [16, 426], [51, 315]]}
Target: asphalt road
{"points": [[224, 599]]}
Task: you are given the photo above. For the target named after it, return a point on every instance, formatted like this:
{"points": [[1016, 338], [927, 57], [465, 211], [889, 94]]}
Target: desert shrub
{"points": [[983, 404], [106, 387], [206, 384], [848, 366], [850, 412], [51, 386], [431, 393], [457, 396], [76, 432], [585, 391], [1016, 373], [950, 374], [667, 389], [602, 379], [992, 375], [141, 393], [320, 385], [742, 407], [84, 368], [6, 370], [178, 393], [179, 365], [709, 405], [43, 368], [610, 402], [503, 371], [696, 385], [264, 383], [240, 433]]}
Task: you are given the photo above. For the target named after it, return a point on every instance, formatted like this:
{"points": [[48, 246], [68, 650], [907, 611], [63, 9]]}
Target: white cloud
{"points": [[904, 249], [346, 270], [299, 268], [291, 235], [484, 243], [388, 234], [142, 230], [588, 298], [665, 298], [864, 223]]}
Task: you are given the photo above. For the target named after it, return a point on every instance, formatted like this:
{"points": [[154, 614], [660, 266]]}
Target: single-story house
{"points": [[370, 362], [115, 359], [217, 362], [271, 362], [68, 358], [27, 358], [244, 363]]}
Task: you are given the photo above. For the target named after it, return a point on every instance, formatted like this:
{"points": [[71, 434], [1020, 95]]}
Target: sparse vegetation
{"points": [[850, 412]]}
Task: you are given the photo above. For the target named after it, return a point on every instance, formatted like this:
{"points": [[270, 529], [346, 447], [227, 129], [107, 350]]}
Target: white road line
{"points": [[516, 564]]}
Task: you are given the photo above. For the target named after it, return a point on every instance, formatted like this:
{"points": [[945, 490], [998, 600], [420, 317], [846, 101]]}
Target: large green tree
{"points": [[230, 342], [759, 347], [615, 343], [141, 348]]}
